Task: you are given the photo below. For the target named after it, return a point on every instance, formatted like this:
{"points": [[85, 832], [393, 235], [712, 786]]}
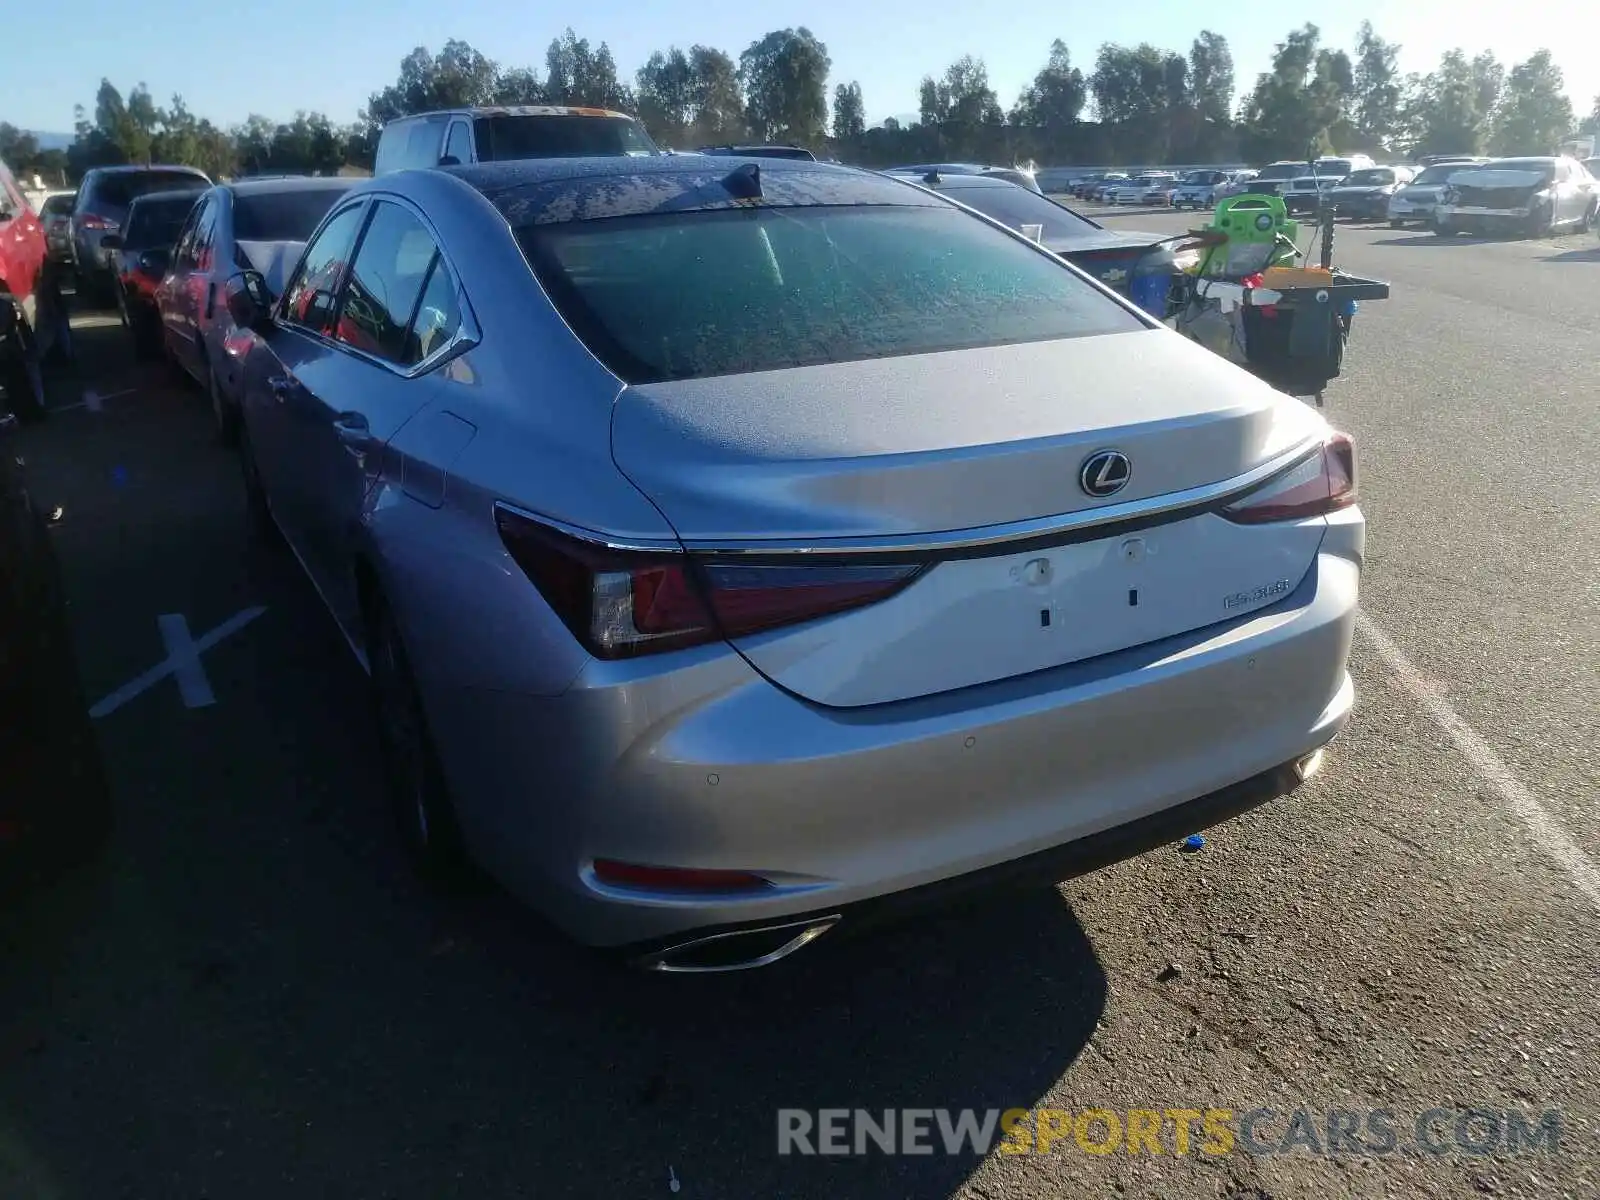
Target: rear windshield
{"points": [[1372, 178], [504, 138], [1017, 207], [1280, 171], [1333, 166], [58, 206], [281, 216], [1441, 172], [1542, 165], [123, 187], [157, 222], [687, 295]]}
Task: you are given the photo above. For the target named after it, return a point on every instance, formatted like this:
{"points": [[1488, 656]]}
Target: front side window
{"points": [[203, 247], [386, 280], [312, 293], [686, 295]]}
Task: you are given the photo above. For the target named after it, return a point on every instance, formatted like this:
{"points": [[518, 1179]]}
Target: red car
{"points": [[22, 266]]}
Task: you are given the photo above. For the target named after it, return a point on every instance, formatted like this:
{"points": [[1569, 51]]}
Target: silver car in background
{"points": [[1414, 203], [740, 549]]}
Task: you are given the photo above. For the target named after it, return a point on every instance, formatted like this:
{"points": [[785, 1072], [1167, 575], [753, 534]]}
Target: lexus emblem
{"points": [[1105, 473]]}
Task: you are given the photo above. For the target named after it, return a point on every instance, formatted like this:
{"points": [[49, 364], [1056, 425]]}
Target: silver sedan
{"points": [[739, 549]]}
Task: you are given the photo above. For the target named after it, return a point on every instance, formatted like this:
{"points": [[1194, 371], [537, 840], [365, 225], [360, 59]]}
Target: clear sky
{"points": [[230, 59]]}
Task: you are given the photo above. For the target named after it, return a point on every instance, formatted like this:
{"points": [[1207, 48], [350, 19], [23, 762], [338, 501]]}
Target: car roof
{"points": [[139, 168], [550, 190], [278, 184], [952, 178], [516, 110], [188, 194]]}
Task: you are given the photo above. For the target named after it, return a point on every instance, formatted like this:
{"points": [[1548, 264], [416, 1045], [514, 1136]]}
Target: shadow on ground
{"points": [[250, 995]]}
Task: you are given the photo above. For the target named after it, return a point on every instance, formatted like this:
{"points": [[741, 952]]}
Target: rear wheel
{"points": [[20, 374], [1541, 223], [417, 793]]}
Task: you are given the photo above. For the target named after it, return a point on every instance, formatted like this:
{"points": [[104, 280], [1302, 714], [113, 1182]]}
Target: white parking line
{"points": [[182, 661], [1546, 830]]}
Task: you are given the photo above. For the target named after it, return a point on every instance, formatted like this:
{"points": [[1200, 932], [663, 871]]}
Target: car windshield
{"points": [[157, 222], [1197, 177], [1542, 166], [122, 188], [1440, 172], [1373, 178], [687, 295], [1016, 207], [551, 135], [1280, 171], [1333, 166], [57, 206], [287, 216]]}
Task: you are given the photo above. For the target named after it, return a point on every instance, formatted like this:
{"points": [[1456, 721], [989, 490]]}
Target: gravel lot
{"points": [[250, 997]]}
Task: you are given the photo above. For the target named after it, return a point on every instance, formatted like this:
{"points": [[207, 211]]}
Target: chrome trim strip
{"points": [[810, 931], [994, 536]]}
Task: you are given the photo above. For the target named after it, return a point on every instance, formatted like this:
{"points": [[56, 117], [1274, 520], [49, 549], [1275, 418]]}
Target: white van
{"points": [[459, 136]]}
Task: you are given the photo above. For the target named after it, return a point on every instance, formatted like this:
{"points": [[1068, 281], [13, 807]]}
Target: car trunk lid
{"points": [[942, 449]]}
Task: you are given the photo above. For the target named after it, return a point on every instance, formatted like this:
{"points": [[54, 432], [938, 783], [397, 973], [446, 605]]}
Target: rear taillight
{"points": [[1318, 484], [97, 223], [624, 603], [677, 879]]}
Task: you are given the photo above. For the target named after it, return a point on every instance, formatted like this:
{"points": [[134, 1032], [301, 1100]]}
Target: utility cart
{"points": [[1250, 301]]}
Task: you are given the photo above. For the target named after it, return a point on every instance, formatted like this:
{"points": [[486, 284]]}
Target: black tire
{"points": [[223, 412], [20, 373], [423, 813], [1540, 224], [263, 526]]}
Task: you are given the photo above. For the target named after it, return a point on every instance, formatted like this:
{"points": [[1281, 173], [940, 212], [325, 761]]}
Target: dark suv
{"points": [[104, 197]]}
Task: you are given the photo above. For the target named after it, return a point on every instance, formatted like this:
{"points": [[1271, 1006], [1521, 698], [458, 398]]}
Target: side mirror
{"points": [[250, 301], [153, 263], [111, 241], [449, 160]]}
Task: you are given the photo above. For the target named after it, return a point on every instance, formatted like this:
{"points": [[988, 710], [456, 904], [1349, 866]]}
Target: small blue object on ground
{"points": [[1192, 843]]}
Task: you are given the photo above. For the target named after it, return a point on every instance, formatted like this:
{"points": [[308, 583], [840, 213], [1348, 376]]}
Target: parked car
{"points": [[55, 214], [1017, 177], [1142, 189], [799, 152], [1102, 188], [1532, 196], [1080, 186], [1363, 195], [143, 253], [1304, 195], [1414, 202], [1198, 189], [55, 807], [101, 209], [1237, 184], [1431, 160], [505, 134], [22, 286], [254, 224], [637, 500], [1055, 181], [1273, 178], [1115, 258]]}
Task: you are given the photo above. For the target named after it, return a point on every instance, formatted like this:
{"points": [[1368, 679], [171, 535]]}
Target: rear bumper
{"points": [[711, 766]]}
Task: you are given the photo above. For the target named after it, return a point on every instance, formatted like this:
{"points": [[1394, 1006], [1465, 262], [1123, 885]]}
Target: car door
{"points": [[23, 252], [178, 309], [167, 291], [397, 312], [300, 337]]}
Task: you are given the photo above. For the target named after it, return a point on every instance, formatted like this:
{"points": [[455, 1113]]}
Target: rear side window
{"points": [[391, 267], [156, 222], [459, 144], [314, 290], [680, 296], [287, 216], [554, 135]]}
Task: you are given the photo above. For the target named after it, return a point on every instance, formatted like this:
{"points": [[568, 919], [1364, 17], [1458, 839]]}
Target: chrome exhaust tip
{"points": [[1308, 766], [741, 950]]}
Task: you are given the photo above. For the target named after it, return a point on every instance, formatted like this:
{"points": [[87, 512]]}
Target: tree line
{"points": [[1140, 104]]}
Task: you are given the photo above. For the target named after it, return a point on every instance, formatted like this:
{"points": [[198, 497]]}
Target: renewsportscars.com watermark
{"points": [[1178, 1132]]}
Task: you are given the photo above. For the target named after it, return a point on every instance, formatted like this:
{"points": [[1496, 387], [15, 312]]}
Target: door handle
{"points": [[352, 429]]}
